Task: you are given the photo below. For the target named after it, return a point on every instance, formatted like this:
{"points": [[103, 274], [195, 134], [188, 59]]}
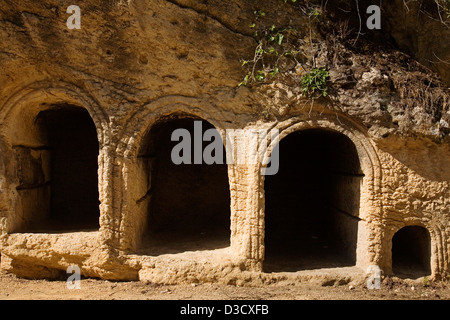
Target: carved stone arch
{"points": [[436, 257], [130, 188], [370, 211], [370, 164], [53, 92], [17, 114], [142, 120]]}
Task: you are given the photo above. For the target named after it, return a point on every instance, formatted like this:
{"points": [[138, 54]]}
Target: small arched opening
{"points": [[411, 252]]}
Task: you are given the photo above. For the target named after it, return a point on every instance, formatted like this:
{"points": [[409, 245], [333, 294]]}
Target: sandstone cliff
{"points": [[131, 52]]}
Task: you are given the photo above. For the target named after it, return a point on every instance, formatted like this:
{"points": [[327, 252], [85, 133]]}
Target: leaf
{"points": [[260, 76], [280, 38], [245, 81], [273, 50], [274, 72]]}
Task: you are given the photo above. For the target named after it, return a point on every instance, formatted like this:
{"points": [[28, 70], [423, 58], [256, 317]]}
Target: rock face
{"points": [[86, 117]]}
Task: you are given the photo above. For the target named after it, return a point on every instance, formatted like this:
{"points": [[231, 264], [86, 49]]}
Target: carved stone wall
{"points": [[134, 63]]}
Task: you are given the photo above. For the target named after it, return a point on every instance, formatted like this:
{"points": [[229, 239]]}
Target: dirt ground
{"points": [[13, 288]]}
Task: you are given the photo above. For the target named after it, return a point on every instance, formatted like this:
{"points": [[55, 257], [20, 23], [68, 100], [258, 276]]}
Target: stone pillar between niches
{"points": [[247, 223], [370, 229]]}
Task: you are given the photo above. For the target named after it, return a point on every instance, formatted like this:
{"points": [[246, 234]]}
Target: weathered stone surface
{"points": [[134, 62]]}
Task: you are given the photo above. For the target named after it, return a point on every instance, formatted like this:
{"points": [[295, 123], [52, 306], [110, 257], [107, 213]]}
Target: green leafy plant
{"points": [[280, 52], [271, 48], [314, 83]]}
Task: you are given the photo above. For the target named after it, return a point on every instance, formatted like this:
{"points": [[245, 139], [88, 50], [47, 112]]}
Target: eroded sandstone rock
{"points": [[134, 62]]}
